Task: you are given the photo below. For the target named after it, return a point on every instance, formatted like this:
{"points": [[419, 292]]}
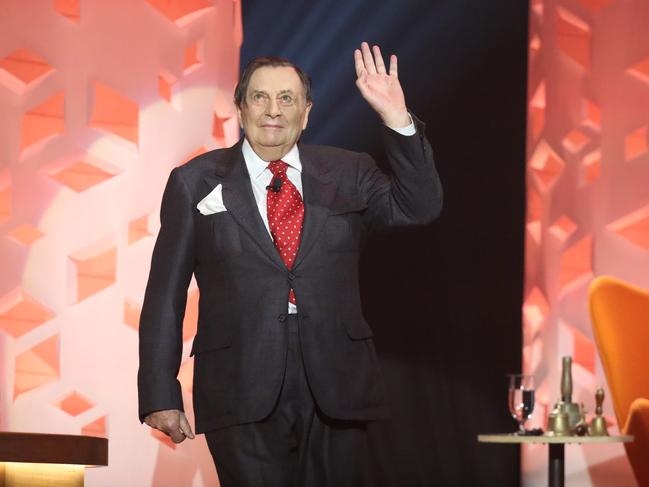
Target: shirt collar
{"points": [[256, 165]]}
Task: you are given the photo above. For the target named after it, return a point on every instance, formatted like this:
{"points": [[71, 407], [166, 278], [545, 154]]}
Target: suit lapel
{"points": [[239, 200], [319, 191]]}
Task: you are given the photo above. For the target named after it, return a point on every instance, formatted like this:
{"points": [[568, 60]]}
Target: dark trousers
{"points": [[296, 445]]}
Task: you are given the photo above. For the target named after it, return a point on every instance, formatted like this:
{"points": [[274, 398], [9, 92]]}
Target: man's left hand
{"points": [[171, 422], [381, 88]]}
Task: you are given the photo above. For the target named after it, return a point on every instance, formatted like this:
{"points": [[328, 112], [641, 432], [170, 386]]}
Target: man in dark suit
{"points": [[270, 227]]}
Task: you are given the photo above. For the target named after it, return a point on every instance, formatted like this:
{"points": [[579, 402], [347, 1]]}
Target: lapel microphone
{"points": [[275, 185]]}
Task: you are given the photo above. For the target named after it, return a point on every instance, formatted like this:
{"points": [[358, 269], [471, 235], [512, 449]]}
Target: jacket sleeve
{"points": [[413, 193], [165, 298]]}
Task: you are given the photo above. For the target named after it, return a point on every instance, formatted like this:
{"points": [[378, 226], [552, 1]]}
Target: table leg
{"points": [[556, 473]]}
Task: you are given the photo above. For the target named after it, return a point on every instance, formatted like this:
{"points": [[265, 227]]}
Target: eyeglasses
{"points": [[261, 99]]}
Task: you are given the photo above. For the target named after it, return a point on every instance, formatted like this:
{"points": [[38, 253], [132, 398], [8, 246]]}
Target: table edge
{"points": [[91, 451], [507, 438]]}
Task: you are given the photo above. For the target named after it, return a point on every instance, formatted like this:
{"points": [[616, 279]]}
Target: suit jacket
{"points": [[241, 341]]}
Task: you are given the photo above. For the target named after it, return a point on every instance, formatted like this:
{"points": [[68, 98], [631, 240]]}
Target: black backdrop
{"points": [[445, 300]]}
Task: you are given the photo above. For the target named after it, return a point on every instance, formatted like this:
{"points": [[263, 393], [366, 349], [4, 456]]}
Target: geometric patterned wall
{"points": [[587, 201], [99, 101]]}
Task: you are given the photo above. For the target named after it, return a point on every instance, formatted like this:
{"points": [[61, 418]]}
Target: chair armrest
{"points": [[638, 418], [637, 424]]}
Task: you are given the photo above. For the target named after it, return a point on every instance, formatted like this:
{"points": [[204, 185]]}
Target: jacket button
{"points": [[281, 318], [291, 276]]}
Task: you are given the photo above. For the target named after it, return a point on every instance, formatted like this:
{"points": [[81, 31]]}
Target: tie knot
{"points": [[277, 167]]}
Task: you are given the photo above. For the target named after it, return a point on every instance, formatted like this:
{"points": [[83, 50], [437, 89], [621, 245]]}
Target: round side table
{"points": [[46, 460], [556, 447]]}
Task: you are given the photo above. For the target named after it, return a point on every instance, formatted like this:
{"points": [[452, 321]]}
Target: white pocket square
{"points": [[212, 203]]}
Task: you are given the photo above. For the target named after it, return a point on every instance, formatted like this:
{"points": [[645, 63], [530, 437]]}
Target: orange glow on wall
{"points": [[166, 82], [641, 70], [576, 261], [534, 205], [634, 227], [44, 120], [5, 202], [192, 154], [573, 37], [162, 438], [37, 366], [537, 110], [594, 4], [93, 271], [546, 166], [636, 143], [138, 229], [95, 428], [192, 57], [103, 100], [584, 351], [81, 175], [68, 8], [20, 314], [593, 115], [185, 376], [25, 234], [575, 140], [563, 228], [587, 203], [218, 127], [191, 315], [132, 313], [22, 68], [180, 12], [114, 113], [74, 404], [592, 167], [535, 311]]}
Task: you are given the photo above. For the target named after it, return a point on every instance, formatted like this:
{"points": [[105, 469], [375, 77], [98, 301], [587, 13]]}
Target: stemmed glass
{"points": [[521, 399]]}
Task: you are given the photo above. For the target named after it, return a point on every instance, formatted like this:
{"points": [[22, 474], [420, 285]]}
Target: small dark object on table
{"points": [[581, 429], [532, 432]]}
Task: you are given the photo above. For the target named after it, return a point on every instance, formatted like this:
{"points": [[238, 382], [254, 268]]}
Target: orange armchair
{"points": [[620, 316]]}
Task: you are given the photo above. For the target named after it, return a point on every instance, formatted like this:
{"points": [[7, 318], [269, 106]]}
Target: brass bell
{"points": [[558, 422], [598, 424]]}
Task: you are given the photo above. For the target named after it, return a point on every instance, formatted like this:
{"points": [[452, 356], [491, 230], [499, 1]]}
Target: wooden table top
{"points": [[513, 438], [49, 448]]}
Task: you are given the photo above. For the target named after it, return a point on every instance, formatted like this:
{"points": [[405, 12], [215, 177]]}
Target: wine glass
{"points": [[521, 399]]}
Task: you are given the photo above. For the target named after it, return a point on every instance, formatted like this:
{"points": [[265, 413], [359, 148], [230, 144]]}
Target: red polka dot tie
{"points": [[285, 216]]}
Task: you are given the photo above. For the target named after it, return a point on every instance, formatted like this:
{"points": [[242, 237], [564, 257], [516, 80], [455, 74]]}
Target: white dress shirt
{"points": [[261, 176]]}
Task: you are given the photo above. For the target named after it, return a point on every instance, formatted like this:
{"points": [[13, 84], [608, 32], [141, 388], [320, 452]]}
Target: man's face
{"points": [[274, 111]]}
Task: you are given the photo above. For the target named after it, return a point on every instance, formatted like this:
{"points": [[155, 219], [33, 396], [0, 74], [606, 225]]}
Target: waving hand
{"points": [[381, 87]]}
